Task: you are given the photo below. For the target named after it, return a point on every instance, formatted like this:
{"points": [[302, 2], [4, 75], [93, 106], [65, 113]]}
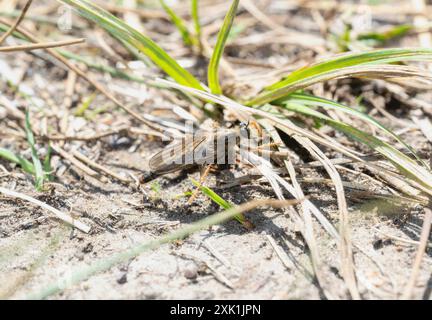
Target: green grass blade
{"points": [[314, 101], [218, 200], [381, 37], [120, 30], [212, 195], [179, 23], [336, 67], [26, 165], [39, 172], [405, 164], [83, 107], [196, 20], [213, 69], [354, 59], [47, 165]]}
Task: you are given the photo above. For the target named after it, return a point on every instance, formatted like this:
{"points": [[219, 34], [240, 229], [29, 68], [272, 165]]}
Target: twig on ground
{"points": [[217, 275], [88, 137], [60, 215], [74, 161], [216, 253], [98, 167], [400, 239], [37, 46], [279, 253]]}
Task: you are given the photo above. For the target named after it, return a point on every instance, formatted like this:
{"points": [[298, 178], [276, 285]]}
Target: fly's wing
{"points": [[176, 156], [219, 148]]}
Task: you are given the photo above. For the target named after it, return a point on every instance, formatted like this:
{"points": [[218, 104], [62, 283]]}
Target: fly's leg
{"points": [[203, 176], [256, 126], [267, 146]]}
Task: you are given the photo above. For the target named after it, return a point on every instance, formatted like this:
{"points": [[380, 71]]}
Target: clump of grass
{"points": [[40, 171]]}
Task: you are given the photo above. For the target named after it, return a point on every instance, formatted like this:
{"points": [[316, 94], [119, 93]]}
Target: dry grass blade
{"points": [[260, 16], [12, 111], [81, 166], [344, 230], [344, 238], [17, 22], [46, 45], [60, 215], [424, 239], [308, 209], [314, 101], [99, 167], [419, 174], [304, 223]]}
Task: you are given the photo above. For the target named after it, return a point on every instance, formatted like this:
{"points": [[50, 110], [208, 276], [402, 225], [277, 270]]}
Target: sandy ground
{"points": [[226, 262]]}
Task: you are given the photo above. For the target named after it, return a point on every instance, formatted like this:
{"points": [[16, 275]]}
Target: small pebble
{"points": [[122, 279], [191, 272]]}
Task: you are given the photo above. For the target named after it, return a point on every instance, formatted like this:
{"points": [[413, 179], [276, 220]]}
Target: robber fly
{"points": [[205, 147]]}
